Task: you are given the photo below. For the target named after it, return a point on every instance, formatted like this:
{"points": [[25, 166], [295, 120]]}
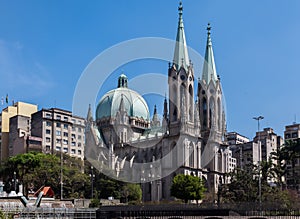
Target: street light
{"points": [[15, 181], [92, 181], [259, 156]]}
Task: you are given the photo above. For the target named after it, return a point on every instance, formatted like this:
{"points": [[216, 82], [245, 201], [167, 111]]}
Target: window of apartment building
{"points": [[48, 123], [73, 151], [65, 141], [79, 152], [73, 136], [58, 141], [48, 131], [47, 147], [58, 124], [58, 117], [58, 148], [66, 150], [79, 129], [73, 121], [73, 143], [58, 133], [73, 129], [66, 134], [79, 144], [48, 115], [47, 139], [288, 135], [79, 137], [65, 126], [65, 118], [294, 135]]}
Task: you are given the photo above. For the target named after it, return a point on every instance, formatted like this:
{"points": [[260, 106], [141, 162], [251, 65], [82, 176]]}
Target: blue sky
{"points": [[46, 45]]}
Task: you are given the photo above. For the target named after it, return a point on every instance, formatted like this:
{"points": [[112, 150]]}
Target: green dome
{"points": [[134, 104]]}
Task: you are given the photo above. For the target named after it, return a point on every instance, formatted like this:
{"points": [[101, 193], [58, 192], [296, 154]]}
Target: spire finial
{"points": [[180, 8], [208, 28]]}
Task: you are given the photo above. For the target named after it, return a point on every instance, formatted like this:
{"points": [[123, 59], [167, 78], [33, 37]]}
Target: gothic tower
{"points": [[181, 83], [211, 109]]}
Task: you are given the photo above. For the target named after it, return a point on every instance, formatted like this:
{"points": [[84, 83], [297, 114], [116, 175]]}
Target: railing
{"points": [[62, 213]]}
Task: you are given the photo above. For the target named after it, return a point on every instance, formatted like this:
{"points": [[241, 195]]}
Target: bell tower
{"points": [[211, 109], [181, 82]]}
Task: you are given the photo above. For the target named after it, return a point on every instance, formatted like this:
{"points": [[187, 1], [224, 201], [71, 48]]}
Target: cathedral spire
{"points": [[209, 68], [155, 121], [165, 109], [89, 114], [181, 57]]}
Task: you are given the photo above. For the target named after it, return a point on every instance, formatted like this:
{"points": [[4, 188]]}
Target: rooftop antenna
{"points": [[295, 119]]}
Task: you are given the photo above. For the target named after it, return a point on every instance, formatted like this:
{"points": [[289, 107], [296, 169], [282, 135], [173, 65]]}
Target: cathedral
{"points": [[125, 143]]}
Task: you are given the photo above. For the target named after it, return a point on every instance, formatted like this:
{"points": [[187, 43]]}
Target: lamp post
{"points": [[61, 174], [258, 118], [15, 181], [92, 181]]}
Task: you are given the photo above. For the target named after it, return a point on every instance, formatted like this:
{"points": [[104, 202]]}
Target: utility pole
{"points": [[61, 175], [258, 118]]}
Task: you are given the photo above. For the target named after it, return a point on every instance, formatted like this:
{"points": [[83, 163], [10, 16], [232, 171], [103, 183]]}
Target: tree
{"points": [[243, 186], [35, 170], [288, 153], [132, 192], [187, 187]]}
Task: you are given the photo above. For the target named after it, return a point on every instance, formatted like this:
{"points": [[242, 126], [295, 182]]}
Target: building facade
{"points": [[292, 133], [234, 138], [20, 139], [18, 108], [60, 131], [270, 142], [189, 139]]}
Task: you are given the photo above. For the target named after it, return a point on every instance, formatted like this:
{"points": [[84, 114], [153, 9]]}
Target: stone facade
{"points": [[189, 139]]}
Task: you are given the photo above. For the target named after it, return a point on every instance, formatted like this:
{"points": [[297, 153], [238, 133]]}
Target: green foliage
{"points": [[132, 192], [243, 187], [35, 170], [187, 187], [5, 216], [95, 203]]}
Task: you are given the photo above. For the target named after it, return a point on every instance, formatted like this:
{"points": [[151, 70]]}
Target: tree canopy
{"points": [[187, 187]]}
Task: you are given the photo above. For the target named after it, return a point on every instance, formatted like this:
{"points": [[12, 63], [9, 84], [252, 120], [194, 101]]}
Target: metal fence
{"points": [[55, 213], [195, 211]]}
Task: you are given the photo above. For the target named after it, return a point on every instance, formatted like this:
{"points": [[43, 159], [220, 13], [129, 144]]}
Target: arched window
{"points": [[211, 112], [191, 152], [219, 115], [174, 103], [191, 101], [174, 154], [204, 109]]}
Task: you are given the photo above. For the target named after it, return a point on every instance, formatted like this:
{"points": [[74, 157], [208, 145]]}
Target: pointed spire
{"points": [[165, 108], [209, 68], [197, 118], [180, 54], [155, 121], [89, 114]]}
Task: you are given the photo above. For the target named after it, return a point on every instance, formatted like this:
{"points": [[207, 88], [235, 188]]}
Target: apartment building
{"points": [[20, 139], [60, 131], [292, 132], [18, 108]]}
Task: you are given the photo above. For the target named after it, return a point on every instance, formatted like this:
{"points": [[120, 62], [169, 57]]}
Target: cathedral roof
{"points": [[122, 98], [181, 56], [209, 71]]}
